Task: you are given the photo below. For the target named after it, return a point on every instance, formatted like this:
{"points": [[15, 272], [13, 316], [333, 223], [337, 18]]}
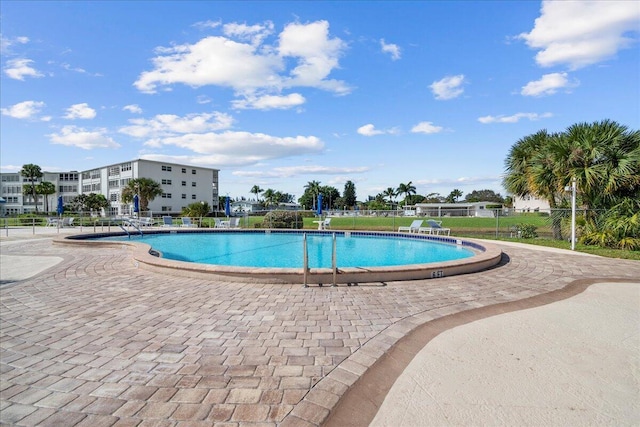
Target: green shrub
{"points": [[283, 219], [526, 231]]}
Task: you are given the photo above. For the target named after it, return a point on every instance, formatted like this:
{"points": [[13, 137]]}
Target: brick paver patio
{"points": [[94, 341]]}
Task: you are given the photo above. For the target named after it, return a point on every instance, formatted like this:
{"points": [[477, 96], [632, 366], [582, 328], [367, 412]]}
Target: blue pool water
{"points": [[285, 250]]}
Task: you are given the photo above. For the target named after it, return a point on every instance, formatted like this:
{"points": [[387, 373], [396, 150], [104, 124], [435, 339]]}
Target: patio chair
{"points": [[67, 222], [326, 224], [52, 222], [167, 221], [434, 227], [186, 222], [413, 228], [234, 223]]}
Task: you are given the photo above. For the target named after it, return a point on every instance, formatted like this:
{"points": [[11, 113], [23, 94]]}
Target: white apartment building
{"points": [[181, 184], [530, 203]]}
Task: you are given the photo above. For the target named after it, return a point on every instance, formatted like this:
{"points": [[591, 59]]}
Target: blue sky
{"points": [[278, 94]]}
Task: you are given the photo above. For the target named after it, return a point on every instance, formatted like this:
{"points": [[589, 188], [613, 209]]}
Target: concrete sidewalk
{"points": [[572, 362]]}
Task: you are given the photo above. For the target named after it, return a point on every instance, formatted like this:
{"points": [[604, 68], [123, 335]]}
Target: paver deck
{"points": [[96, 341]]}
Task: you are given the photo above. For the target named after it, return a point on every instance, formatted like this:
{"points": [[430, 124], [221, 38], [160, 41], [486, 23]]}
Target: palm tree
{"points": [[454, 196], [256, 190], [313, 187], [32, 173], [146, 189], [390, 193], [46, 188], [270, 197], [407, 189]]}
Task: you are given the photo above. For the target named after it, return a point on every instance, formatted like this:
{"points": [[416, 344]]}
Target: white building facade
{"points": [[530, 203], [182, 185]]}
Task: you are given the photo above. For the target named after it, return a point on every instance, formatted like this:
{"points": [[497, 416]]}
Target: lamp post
{"points": [[572, 188]]}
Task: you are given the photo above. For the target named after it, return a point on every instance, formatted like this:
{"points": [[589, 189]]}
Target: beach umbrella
{"points": [[319, 208], [227, 206], [60, 208], [136, 203]]}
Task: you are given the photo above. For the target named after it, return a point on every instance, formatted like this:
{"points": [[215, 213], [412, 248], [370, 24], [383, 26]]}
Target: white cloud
{"points": [[203, 25], [390, 48], [547, 85], [581, 33], [269, 102], [132, 108], [6, 43], [241, 60], [75, 136], [163, 125], [449, 87], [240, 148], [80, 111], [426, 127], [291, 171], [255, 34], [23, 110], [20, 68], [370, 130], [514, 118], [203, 99]]}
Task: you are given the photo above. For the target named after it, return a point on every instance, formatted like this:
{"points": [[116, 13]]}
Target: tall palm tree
{"points": [[146, 189], [256, 190], [46, 188], [32, 173], [313, 187], [390, 193], [407, 189], [270, 197]]}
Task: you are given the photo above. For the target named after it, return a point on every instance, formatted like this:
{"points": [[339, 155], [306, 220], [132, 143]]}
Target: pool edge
{"points": [[486, 256]]}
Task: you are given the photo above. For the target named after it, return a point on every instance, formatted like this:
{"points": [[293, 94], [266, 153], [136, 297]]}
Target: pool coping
{"points": [[486, 256]]}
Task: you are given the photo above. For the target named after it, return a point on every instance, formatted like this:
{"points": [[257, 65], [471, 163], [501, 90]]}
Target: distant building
{"points": [[181, 185], [246, 206], [530, 203], [477, 209]]}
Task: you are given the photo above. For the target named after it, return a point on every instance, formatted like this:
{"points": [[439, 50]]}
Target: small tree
{"points": [[197, 210], [349, 194], [146, 189], [32, 173], [46, 188]]}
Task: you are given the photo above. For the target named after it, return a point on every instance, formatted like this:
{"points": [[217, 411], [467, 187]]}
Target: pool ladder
{"points": [[305, 257], [129, 222]]}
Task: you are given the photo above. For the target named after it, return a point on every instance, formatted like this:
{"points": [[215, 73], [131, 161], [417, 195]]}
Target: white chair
{"points": [[413, 228], [234, 223], [186, 222], [326, 224], [434, 227]]}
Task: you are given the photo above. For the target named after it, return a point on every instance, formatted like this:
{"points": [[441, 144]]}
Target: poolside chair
{"points": [[218, 223], [167, 221], [326, 224], [413, 228], [67, 222], [234, 223], [142, 222], [434, 227], [52, 222], [186, 222]]}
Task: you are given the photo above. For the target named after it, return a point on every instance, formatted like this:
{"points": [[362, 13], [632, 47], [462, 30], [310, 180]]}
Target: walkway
{"points": [[92, 340]]}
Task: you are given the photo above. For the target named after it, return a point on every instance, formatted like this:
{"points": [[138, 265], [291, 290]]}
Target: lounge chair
{"points": [[218, 223], [326, 224], [142, 222], [52, 222], [167, 221], [186, 222], [67, 222], [234, 223], [434, 227], [413, 228]]}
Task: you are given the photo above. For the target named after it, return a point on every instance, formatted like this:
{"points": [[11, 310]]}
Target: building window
{"points": [[166, 181], [184, 183], [193, 196], [126, 166], [166, 168], [86, 188], [166, 195], [113, 197], [166, 209], [184, 196], [184, 170], [114, 183], [193, 184], [95, 187], [114, 170], [193, 171]]}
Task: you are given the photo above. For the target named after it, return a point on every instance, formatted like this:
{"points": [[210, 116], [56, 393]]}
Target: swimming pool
{"points": [[148, 255], [285, 250]]}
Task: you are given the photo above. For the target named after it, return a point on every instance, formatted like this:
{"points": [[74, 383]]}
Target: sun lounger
{"points": [[413, 228], [52, 222], [67, 222], [186, 222], [434, 227], [167, 221]]}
